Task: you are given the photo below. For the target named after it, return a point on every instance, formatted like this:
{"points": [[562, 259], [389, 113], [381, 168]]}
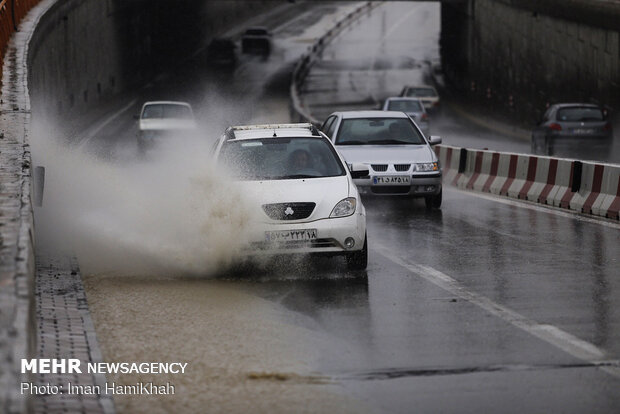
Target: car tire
{"points": [[358, 260], [434, 201]]}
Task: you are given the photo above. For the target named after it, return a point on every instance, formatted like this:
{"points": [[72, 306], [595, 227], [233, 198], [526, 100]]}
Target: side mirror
{"points": [[359, 170], [434, 140]]}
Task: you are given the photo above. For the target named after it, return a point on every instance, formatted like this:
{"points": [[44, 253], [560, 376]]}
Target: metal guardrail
{"points": [[299, 112], [11, 13]]}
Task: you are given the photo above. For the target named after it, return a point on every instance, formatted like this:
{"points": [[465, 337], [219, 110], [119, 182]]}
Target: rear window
{"points": [[404, 106], [378, 131], [421, 92], [167, 111], [579, 114]]}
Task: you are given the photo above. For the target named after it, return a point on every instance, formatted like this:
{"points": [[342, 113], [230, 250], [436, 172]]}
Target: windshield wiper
{"points": [[295, 176], [352, 143], [390, 141]]}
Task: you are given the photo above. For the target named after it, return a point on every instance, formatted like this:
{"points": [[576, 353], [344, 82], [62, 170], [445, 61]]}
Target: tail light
{"points": [[607, 127], [436, 103], [555, 127], [424, 117]]}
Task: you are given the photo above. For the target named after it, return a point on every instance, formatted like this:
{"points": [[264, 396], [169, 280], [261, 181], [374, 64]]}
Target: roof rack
{"points": [[230, 131]]}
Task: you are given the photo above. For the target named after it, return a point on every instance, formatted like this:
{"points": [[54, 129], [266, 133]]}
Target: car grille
{"points": [[293, 244], [289, 211], [391, 189], [379, 167], [402, 167]]}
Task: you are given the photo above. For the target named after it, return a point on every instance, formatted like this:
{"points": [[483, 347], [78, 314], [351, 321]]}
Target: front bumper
{"points": [[419, 186], [330, 238]]}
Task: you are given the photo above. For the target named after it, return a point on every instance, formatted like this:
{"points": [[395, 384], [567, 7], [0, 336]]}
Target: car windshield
{"points": [[404, 105], [167, 111], [580, 114], [421, 92], [280, 159], [378, 131]]}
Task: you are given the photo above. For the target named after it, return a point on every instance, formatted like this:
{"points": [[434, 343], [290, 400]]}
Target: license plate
{"points": [[392, 180], [583, 131], [290, 235]]}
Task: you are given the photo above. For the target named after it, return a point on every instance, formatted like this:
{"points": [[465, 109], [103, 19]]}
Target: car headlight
{"points": [[344, 208], [426, 166]]}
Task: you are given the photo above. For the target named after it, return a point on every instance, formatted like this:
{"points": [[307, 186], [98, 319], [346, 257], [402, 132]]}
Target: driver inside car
{"points": [[299, 160]]}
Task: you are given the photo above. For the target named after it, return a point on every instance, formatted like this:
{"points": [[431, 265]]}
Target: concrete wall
{"points": [[522, 54]]}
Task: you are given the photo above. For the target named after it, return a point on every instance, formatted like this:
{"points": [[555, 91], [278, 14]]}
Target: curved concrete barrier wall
{"points": [[585, 187], [17, 264], [299, 113]]}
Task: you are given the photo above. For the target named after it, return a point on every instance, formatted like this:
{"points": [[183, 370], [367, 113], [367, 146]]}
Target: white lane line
{"points": [[93, 132], [540, 207], [568, 343]]}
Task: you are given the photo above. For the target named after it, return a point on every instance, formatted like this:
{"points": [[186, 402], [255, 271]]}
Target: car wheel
{"points": [[434, 201], [358, 260]]}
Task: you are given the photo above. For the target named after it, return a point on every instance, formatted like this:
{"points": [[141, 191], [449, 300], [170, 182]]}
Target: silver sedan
{"points": [[400, 158], [412, 107]]}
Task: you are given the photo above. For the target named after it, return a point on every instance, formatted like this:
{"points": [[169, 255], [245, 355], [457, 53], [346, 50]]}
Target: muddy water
{"points": [[243, 355]]}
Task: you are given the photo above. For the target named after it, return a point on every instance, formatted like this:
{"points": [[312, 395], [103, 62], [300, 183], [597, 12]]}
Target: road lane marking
{"points": [[568, 343], [540, 207]]}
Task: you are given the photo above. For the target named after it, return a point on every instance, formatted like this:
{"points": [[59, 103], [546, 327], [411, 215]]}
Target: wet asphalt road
{"points": [[484, 306]]}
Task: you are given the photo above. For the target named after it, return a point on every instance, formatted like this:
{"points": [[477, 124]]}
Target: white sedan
{"points": [[400, 157], [160, 120], [303, 189]]}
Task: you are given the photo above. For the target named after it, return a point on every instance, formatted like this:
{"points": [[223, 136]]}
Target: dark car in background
{"points": [[570, 124], [222, 52], [256, 40]]}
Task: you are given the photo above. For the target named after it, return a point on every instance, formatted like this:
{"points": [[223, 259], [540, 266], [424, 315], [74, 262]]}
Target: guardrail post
{"points": [[576, 182], [39, 185], [463, 160]]}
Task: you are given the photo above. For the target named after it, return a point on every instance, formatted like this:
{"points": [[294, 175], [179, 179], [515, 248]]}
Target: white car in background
{"points": [[400, 158], [161, 120], [412, 107], [426, 93], [302, 189]]}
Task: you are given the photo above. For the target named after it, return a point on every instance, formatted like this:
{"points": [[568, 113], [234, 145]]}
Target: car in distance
{"points": [[160, 120], [256, 40], [412, 107], [302, 189], [401, 160], [565, 122], [427, 94], [221, 52]]}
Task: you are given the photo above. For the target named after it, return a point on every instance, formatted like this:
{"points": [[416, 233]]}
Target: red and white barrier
{"points": [[585, 187], [608, 202]]}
